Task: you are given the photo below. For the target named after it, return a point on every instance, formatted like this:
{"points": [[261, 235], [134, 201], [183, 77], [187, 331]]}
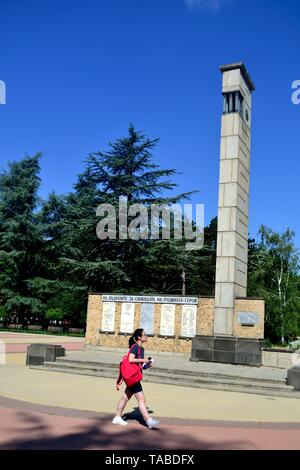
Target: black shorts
{"points": [[136, 388]]}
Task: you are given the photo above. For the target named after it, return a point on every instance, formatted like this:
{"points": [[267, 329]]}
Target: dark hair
{"points": [[136, 335]]}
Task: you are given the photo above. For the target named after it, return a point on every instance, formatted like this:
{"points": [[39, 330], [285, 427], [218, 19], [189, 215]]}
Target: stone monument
{"points": [[228, 327], [232, 240]]}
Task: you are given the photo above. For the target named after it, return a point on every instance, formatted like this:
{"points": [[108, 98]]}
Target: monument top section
{"points": [[244, 72]]}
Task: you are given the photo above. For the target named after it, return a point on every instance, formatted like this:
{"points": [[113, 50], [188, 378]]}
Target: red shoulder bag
{"points": [[130, 372]]}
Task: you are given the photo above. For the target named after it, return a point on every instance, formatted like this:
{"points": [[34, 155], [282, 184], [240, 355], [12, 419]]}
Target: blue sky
{"points": [[78, 72]]}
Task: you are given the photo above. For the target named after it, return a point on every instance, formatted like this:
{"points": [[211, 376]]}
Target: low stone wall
{"points": [[156, 342], [279, 358], [115, 338]]}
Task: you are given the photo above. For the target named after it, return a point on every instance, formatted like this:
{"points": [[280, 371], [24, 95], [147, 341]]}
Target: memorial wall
{"points": [[171, 322]]}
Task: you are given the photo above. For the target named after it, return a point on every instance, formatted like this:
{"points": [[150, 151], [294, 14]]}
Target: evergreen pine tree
{"points": [[126, 170], [20, 236]]}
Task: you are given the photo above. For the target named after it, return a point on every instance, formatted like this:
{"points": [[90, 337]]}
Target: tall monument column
{"points": [[232, 241]]}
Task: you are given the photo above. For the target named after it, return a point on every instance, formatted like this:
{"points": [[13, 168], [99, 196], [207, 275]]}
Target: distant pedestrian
{"points": [[25, 323], [65, 326], [137, 355]]}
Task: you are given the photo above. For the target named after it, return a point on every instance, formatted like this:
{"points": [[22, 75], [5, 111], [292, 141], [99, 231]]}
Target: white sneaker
{"points": [[119, 420], [152, 423]]}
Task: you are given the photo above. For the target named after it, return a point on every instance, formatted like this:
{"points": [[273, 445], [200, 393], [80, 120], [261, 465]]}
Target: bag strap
{"points": [[130, 349], [139, 350], [139, 356]]}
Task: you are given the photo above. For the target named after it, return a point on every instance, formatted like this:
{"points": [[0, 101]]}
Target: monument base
{"points": [[39, 353], [227, 349]]}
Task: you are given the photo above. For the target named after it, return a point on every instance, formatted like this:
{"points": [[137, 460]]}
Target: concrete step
{"points": [[173, 375], [288, 393], [159, 371], [179, 378]]}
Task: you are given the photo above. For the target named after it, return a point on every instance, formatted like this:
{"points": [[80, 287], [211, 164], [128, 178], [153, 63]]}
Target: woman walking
{"points": [[137, 355]]}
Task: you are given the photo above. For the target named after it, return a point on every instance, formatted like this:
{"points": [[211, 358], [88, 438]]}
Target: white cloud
{"points": [[212, 4]]}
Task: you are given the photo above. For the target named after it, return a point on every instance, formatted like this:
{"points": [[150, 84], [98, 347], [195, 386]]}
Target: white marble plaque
{"points": [[188, 321], [167, 320], [147, 318], [108, 316], [127, 318], [248, 318]]}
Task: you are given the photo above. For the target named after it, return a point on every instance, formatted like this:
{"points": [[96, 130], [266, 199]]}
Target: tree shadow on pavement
{"points": [[28, 431]]}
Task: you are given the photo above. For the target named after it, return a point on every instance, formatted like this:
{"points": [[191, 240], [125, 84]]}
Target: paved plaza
{"points": [[52, 410]]}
